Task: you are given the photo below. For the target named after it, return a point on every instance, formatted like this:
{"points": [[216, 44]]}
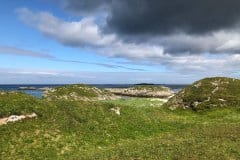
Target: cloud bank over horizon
{"points": [[33, 76]]}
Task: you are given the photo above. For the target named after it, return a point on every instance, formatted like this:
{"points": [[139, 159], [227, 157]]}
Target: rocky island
{"points": [[153, 91], [27, 88]]}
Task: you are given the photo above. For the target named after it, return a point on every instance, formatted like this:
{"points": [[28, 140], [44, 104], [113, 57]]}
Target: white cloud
{"points": [[28, 72], [132, 51], [80, 33], [28, 76], [23, 52]]}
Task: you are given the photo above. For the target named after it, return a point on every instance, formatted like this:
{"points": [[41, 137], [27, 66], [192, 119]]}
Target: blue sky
{"points": [[17, 34], [45, 42]]}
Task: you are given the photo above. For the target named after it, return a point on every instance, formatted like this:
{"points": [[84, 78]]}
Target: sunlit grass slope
{"points": [[92, 130]]}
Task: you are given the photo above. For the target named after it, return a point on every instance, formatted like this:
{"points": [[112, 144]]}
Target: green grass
{"points": [[144, 130], [139, 102]]}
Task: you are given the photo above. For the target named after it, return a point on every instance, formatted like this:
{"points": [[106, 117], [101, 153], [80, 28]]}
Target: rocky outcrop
{"points": [[143, 91], [15, 118], [116, 110], [208, 93]]}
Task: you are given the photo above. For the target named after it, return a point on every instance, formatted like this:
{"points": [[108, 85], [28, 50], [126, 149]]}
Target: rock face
{"points": [[116, 110], [15, 118], [143, 91], [78, 92], [208, 93]]}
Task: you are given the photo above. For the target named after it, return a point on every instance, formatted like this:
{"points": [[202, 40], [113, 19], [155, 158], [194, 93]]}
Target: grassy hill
{"points": [[78, 92], [78, 129], [208, 93]]}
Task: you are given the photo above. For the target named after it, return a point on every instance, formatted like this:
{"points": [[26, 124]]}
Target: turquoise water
{"points": [[35, 93]]}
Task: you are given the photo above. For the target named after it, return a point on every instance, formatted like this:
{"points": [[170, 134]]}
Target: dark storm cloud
{"points": [[86, 6], [167, 16], [164, 16]]}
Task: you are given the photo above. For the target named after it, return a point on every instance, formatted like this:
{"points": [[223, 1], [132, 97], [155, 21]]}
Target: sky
{"points": [[120, 42]]}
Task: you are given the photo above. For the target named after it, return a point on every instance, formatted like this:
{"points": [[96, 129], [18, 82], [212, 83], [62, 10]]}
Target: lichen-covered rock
{"points": [[143, 91], [78, 92], [208, 93]]}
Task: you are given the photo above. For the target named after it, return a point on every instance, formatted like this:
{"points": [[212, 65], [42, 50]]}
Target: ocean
{"points": [[39, 93]]}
